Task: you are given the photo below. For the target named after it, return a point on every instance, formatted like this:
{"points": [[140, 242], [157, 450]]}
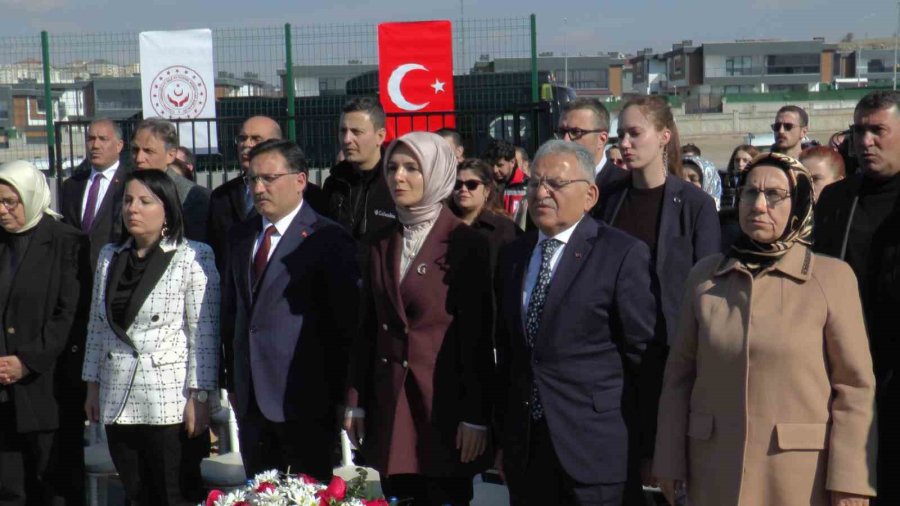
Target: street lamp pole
{"points": [[566, 50]]}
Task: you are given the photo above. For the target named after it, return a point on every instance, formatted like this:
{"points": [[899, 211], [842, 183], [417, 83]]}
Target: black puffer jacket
{"points": [[358, 200]]}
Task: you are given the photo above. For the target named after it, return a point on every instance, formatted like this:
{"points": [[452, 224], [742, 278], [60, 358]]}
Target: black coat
{"points": [[37, 320], [107, 226], [599, 317], [375, 206], [499, 231]]}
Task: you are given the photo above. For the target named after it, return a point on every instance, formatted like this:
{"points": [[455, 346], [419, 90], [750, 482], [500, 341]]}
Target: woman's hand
{"points": [[670, 488], [92, 402], [356, 429], [470, 442], [196, 417], [844, 499], [12, 369]]}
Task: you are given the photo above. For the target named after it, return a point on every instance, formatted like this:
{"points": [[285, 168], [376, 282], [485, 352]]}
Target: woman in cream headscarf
{"points": [[419, 394], [39, 293]]}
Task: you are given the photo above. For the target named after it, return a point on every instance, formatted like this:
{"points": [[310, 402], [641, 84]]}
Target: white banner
{"points": [[178, 82]]}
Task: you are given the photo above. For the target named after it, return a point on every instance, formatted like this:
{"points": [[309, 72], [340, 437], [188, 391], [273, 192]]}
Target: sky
{"points": [[585, 27]]}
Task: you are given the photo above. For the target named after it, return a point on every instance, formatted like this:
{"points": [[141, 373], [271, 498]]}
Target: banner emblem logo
{"points": [[178, 92]]}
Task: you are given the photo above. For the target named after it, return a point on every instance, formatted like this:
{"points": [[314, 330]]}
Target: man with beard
{"points": [[790, 128], [857, 221]]}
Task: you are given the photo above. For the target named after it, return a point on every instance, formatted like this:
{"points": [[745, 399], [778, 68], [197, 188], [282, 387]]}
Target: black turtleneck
{"points": [[878, 198]]}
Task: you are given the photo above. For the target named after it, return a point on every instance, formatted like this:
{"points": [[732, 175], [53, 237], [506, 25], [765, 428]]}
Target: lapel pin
{"points": [[303, 234], [421, 269], [677, 200], [577, 254]]}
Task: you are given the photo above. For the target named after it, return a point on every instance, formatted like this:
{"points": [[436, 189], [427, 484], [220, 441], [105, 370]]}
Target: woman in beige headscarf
{"points": [[39, 294], [423, 365]]}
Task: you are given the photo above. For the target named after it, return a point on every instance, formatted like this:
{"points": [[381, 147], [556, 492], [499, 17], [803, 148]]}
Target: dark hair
{"points": [[690, 149], [499, 150], [291, 152], [829, 154], [804, 118], [657, 110], [878, 100], [116, 128], [182, 168], [162, 186], [188, 155], [368, 105], [451, 133], [692, 166], [162, 130], [484, 173], [601, 115], [746, 148]]}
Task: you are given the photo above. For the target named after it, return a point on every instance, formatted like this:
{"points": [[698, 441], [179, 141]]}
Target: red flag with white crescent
{"points": [[415, 73]]}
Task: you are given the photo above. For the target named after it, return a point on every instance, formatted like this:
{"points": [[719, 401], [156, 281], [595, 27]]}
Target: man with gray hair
{"points": [[576, 313], [154, 146]]}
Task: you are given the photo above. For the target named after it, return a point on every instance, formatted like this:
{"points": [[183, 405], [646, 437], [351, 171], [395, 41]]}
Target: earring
{"points": [[165, 231], [665, 156]]}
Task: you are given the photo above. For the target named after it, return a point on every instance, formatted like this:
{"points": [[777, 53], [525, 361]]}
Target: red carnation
{"points": [[241, 503], [309, 480], [336, 490], [213, 496], [265, 487]]}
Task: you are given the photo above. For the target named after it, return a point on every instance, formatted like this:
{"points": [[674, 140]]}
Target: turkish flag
{"points": [[415, 73]]}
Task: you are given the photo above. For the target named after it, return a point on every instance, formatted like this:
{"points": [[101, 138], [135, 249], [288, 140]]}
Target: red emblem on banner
{"points": [[415, 70]]}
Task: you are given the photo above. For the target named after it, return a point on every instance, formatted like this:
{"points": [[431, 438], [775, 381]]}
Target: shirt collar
{"points": [[105, 173], [563, 236], [599, 167], [282, 225], [796, 263]]}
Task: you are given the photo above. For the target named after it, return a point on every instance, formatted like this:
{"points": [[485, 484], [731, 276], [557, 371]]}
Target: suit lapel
{"points": [[520, 269], [238, 204], [157, 265], [299, 229], [391, 250], [77, 194], [570, 264], [109, 198], [670, 215], [241, 262], [116, 268]]}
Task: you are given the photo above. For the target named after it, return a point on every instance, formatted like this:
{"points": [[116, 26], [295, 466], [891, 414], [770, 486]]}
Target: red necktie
{"points": [[262, 254]]}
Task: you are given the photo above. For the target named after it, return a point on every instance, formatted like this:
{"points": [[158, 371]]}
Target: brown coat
{"points": [[424, 360], [768, 396]]}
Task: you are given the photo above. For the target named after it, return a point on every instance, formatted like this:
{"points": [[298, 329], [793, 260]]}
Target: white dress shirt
{"points": [[599, 167], [105, 176], [534, 266], [281, 227]]}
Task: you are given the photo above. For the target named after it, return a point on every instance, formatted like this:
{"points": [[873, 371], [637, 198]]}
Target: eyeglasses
{"points": [[554, 185], [471, 185], [10, 204], [240, 139], [265, 179], [749, 194], [777, 126], [576, 133]]}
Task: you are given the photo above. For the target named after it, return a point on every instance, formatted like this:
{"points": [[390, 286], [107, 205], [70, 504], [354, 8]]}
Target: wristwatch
{"points": [[200, 395]]}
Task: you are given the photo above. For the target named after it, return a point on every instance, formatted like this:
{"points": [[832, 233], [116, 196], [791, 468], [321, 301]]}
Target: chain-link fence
{"points": [[98, 75]]}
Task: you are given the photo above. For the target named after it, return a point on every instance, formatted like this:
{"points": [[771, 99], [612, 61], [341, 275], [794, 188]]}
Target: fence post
{"points": [[48, 103], [289, 82], [535, 95]]}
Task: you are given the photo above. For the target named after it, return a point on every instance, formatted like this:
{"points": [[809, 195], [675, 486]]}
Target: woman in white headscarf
{"points": [[423, 366], [39, 294]]}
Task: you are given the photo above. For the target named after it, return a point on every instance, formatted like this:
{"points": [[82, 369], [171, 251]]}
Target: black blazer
{"points": [[688, 231], [226, 207], [598, 319], [107, 226], [499, 231], [38, 316]]}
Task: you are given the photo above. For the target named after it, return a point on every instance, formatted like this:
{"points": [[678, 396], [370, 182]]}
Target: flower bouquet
{"points": [[272, 488]]}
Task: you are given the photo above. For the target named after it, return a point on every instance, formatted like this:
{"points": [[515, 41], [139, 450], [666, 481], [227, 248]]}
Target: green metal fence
{"points": [[99, 75]]}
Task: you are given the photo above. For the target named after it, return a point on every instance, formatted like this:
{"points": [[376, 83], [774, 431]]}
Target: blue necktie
{"points": [[536, 310]]}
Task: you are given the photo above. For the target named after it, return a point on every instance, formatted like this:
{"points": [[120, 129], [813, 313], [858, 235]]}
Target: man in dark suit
{"points": [[154, 146], [232, 202], [289, 312], [585, 121], [91, 199], [576, 314]]}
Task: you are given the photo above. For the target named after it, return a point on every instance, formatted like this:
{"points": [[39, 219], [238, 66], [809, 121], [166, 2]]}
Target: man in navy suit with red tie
{"points": [[289, 311], [576, 314]]}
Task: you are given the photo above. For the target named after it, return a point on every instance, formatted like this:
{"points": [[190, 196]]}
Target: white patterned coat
{"points": [[175, 335]]}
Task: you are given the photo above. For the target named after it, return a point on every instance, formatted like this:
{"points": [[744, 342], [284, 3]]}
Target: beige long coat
{"points": [[768, 396]]}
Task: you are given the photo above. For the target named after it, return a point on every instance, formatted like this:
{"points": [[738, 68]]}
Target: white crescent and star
{"points": [[396, 79]]}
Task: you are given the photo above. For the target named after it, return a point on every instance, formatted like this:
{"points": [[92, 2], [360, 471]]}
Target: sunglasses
{"points": [[787, 126], [471, 185]]}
